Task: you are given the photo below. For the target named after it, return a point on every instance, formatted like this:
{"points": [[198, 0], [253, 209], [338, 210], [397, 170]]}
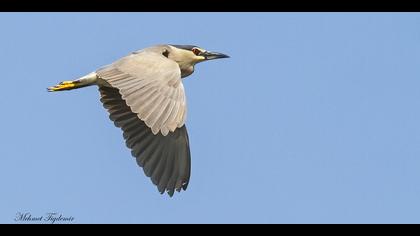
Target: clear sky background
{"points": [[315, 118]]}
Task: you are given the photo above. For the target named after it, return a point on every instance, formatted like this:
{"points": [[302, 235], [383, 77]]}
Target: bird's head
{"points": [[188, 55]]}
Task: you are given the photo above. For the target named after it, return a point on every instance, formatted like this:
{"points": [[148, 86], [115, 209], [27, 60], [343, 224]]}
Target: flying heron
{"points": [[144, 95]]}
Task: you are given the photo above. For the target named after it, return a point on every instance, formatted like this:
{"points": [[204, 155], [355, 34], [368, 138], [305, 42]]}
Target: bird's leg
{"points": [[87, 80], [64, 85]]}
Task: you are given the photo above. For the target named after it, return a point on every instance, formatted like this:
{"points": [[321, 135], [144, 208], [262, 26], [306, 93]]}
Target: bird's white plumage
{"points": [[152, 87]]}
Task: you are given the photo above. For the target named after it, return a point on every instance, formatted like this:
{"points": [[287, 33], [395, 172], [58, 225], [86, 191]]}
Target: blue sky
{"points": [[314, 119]]}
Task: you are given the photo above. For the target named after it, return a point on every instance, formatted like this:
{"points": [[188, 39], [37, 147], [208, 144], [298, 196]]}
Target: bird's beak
{"points": [[213, 55]]}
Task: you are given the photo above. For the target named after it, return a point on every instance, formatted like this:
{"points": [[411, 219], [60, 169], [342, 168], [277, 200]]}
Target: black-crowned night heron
{"points": [[144, 96]]}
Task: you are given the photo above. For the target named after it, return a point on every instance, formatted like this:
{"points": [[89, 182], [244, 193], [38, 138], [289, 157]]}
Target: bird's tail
{"points": [[87, 80]]}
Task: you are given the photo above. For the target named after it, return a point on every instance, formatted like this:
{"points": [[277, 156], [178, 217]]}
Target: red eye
{"points": [[196, 51]]}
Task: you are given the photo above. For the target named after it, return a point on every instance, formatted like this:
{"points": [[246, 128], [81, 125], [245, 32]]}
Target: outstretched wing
{"points": [[165, 159], [151, 86]]}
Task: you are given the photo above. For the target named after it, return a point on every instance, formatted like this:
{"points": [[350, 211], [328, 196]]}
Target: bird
{"points": [[144, 96]]}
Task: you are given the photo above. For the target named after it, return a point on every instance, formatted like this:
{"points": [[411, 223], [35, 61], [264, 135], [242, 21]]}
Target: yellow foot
{"points": [[65, 85]]}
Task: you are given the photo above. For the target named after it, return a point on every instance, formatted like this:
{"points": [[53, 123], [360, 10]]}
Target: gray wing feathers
{"points": [[154, 93], [165, 159]]}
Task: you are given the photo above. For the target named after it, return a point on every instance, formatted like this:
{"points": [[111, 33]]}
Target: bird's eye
{"points": [[196, 51]]}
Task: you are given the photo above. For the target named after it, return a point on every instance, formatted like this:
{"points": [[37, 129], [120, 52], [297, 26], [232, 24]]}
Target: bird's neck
{"points": [[186, 70]]}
